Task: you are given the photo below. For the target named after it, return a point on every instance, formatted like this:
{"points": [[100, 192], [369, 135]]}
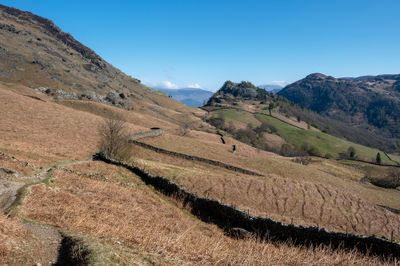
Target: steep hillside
{"points": [[36, 53], [46, 149], [61, 205], [370, 102]]}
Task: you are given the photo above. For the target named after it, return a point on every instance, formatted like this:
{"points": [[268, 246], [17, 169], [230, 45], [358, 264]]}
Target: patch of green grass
{"points": [[325, 143], [233, 115]]}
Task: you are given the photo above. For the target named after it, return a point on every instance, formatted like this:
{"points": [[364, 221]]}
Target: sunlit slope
{"points": [[137, 225], [326, 145]]}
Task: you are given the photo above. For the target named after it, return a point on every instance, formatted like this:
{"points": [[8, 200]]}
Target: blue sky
{"points": [[202, 43]]}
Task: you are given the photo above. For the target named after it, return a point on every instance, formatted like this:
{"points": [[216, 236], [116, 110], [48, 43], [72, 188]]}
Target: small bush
{"points": [[350, 154], [264, 127], [217, 122], [290, 151], [114, 142], [310, 149], [272, 129], [246, 135]]}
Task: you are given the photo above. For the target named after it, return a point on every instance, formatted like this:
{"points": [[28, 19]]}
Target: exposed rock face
{"points": [[231, 92], [53, 31], [368, 100]]}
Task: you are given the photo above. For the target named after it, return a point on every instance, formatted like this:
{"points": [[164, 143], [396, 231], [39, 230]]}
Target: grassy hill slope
{"points": [[137, 225], [370, 103], [317, 142]]}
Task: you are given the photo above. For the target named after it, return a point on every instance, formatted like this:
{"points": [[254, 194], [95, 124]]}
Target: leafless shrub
{"points": [[114, 139]]}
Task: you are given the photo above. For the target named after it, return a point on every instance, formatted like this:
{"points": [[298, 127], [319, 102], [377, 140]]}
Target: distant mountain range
{"points": [[274, 88], [188, 96]]}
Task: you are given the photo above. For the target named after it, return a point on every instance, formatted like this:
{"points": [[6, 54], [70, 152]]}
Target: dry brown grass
{"points": [[138, 218], [46, 132], [18, 166], [287, 200], [274, 141], [102, 110], [61, 66], [18, 246], [43, 132], [341, 177]]}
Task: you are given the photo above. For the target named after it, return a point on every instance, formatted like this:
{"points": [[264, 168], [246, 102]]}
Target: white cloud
{"points": [[164, 85], [194, 86], [168, 85], [171, 86]]}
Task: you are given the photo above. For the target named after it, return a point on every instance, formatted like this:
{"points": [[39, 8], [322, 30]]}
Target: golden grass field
{"points": [[328, 172], [16, 244], [109, 203], [125, 222], [284, 199]]}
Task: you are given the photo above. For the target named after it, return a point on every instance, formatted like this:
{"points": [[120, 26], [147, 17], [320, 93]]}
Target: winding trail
{"points": [[12, 193]]}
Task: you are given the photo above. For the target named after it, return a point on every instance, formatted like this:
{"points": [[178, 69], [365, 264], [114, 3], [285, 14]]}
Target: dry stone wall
{"points": [[228, 217], [195, 158]]}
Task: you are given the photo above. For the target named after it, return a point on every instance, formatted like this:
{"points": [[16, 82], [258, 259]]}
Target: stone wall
{"points": [[228, 217], [195, 158], [146, 134]]}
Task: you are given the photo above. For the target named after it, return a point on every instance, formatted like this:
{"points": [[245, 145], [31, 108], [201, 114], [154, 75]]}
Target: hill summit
{"points": [[232, 92]]}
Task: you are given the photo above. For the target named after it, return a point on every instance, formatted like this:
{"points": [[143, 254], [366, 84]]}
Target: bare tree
{"points": [[114, 139]]}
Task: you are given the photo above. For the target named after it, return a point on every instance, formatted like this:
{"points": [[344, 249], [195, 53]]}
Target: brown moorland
{"points": [[284, 199], [48, 131], [93, 200], [341, 176]]}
